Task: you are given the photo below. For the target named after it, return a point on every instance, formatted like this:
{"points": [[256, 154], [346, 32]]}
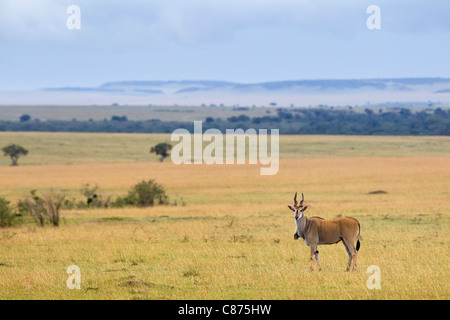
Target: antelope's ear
{"points": [[290, 207], [304, 208]]}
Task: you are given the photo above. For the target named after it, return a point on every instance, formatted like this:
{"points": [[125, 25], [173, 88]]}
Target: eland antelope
{"points": [[316, 231]]}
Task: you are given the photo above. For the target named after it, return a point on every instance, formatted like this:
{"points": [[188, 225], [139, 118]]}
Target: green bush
{"points": [[6, 214], [120, 202], [145, 194]]}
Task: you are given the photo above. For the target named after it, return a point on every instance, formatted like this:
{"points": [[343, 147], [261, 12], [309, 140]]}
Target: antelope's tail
{"points": [[357, 243]]}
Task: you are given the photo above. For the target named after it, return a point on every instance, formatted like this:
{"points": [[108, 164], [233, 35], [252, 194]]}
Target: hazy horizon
{"points": [[400, 91]]}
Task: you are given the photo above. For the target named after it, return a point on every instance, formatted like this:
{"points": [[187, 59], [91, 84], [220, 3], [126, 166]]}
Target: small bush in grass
{"points": [[94, 198], [43, 208], [6, 213], [145, 194]]}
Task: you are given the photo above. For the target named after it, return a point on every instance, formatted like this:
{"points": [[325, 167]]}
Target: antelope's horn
{"points": [[295, 199], [303, 199]]}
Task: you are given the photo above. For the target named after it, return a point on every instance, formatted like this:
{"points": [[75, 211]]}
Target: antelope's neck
{"points": [[301, 225]]}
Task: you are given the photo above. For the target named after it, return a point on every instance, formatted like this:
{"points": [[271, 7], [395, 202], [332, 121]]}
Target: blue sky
{"points": [[233, 40]]}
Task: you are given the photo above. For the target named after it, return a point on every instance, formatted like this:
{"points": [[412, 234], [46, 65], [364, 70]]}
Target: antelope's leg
{"points": [[350, 256], [316, 253], [351, 250], [354, 254], [311, 267]]}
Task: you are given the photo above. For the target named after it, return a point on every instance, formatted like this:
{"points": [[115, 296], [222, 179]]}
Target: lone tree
{"points": [[15, 152], [25, 118], [162, 149]]}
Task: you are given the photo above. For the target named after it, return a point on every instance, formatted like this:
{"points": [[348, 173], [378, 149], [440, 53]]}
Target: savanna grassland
{"points": [[230, 236]]}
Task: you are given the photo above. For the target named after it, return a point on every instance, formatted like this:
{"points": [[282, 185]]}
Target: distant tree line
{"points": [[400, 121]]}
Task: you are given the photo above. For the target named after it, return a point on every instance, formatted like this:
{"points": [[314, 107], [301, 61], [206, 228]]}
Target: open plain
{"points": [[228, 233]]}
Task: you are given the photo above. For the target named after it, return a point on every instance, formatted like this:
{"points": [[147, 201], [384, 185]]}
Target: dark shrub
{"points": [[146, 194], [6, 214]]}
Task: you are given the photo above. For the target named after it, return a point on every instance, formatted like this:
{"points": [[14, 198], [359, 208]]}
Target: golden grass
{"points": [[234, 238]]}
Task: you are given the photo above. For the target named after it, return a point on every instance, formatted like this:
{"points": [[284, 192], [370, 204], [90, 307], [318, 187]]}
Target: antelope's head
{"points": [[298, 208]]}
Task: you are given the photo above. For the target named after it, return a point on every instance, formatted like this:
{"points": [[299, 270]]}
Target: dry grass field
{"points": [[233, 238]]}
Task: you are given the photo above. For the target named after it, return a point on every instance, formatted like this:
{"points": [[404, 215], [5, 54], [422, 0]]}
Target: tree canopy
{"points": [[162, 149], [15, 152]]}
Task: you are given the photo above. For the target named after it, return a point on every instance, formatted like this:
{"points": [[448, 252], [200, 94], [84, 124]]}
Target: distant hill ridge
{"points": [[333, 92], [326, 84]]}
